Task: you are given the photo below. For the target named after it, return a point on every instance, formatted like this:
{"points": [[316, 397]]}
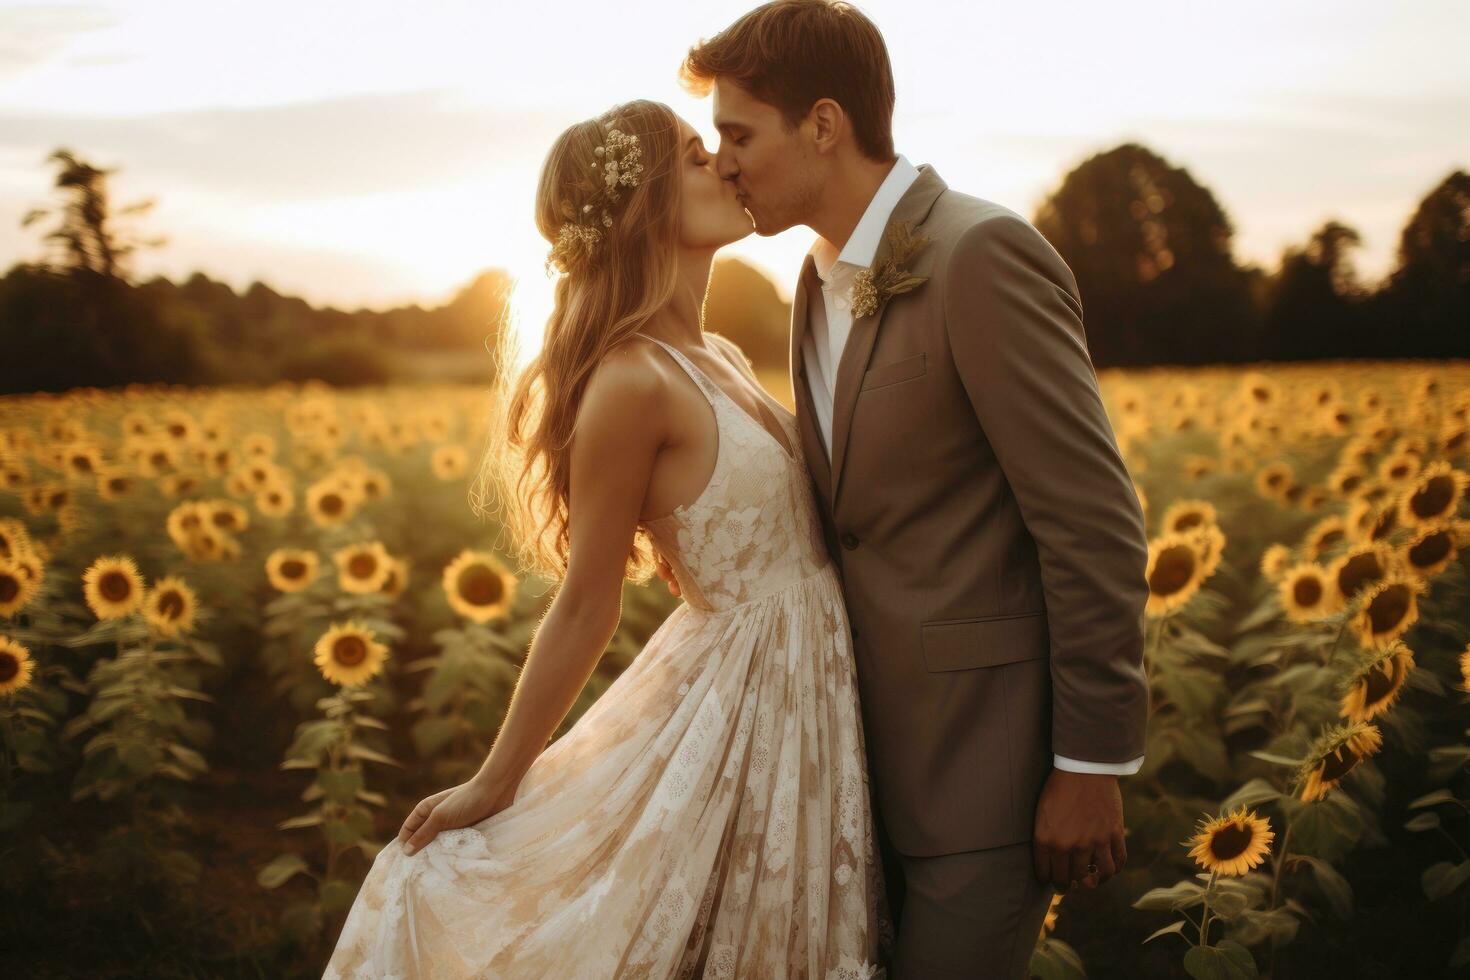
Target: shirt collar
{"points": [[862, 244]]}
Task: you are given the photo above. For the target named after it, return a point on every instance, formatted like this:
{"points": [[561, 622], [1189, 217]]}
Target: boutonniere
{"points": [[891, 276]]}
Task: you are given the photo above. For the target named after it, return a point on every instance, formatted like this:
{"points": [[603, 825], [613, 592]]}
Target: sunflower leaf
{"points": [[1253, 793], [363, 752], [1334, 886], [279, 871], [1226, 961], [1185, 894], [1430, 799], [1176, 926]]}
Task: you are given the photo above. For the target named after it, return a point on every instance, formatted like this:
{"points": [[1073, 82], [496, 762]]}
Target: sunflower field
{"points": [[242, 632]]}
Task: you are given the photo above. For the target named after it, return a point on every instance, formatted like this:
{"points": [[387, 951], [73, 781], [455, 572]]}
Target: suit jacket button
{"points": [[849, 541]]}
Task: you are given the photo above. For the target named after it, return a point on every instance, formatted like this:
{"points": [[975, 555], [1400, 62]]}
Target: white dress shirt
{"points": [[821, 349]]}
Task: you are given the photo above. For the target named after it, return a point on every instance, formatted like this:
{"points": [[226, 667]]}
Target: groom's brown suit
{"points": [[992, 552]]}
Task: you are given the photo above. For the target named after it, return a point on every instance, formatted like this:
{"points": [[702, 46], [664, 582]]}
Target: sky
{"points": [[372, 154]]}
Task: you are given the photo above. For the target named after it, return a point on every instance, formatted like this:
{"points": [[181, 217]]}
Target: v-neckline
{"points": [[760, 395]]}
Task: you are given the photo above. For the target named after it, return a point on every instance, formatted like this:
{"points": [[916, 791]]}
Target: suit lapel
{"points": [[811, 440], [913, 207]]}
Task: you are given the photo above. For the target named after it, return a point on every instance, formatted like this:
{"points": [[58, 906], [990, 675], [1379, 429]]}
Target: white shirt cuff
{"points": [[1115, 768]]}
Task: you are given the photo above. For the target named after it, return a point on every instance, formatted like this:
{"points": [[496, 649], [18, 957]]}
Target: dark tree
{"points": [[1425, 306], [1150, 248], [1315, 304], [86, 234]]}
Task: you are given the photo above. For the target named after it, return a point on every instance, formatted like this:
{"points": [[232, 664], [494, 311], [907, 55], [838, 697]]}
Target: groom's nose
{"points": [[725, 164]]}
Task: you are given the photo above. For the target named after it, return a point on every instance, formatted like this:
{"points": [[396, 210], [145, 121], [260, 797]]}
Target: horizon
{"points": [[403, 143]]}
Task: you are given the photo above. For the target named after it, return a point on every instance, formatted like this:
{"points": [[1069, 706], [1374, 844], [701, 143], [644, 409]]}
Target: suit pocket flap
{"points": [[887, 374], [988, 641]]}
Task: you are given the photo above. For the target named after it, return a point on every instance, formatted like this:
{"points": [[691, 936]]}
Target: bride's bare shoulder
{"points": [[628, 385]]}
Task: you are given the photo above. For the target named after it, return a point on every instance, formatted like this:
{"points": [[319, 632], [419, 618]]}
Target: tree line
{"points": [[1149, 245]]}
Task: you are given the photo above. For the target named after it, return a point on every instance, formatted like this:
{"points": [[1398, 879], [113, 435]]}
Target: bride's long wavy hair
{"points": [[598, 303]]}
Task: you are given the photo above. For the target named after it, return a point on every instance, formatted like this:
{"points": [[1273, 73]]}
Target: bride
{"points": [[708, 816]]}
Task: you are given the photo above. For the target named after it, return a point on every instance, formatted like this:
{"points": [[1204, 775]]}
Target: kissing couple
{"points": [[884, 726]]}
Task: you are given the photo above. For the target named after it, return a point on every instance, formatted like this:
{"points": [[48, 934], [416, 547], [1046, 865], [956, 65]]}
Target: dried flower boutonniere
{"points": [[889, 277]]}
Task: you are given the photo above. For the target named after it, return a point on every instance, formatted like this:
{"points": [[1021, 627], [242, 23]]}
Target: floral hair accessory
{"points": [[580, 234]]}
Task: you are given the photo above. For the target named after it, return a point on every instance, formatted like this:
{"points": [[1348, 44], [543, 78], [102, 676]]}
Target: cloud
{"points": [[346, 146], [33, 33]]}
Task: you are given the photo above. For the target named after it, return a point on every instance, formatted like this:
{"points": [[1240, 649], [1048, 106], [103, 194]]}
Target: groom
{"points": [[991, 546]]}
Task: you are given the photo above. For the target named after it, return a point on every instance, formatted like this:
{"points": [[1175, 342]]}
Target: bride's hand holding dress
{"points": [[449, 809]]}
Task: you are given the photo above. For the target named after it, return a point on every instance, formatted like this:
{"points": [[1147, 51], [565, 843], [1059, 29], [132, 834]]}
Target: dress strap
{"points": [[704, 384]]}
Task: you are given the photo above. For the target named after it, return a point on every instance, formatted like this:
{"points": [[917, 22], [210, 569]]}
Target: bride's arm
{"points": [[618, 435]]}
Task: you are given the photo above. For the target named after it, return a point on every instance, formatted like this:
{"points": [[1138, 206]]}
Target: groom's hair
{"points": [[790, 53]]}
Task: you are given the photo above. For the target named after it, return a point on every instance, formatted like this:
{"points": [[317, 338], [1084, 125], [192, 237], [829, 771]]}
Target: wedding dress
{"points": [[708, 816]]}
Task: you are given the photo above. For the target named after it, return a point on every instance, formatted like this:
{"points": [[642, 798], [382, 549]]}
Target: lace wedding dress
{"points": [[708, 816]]}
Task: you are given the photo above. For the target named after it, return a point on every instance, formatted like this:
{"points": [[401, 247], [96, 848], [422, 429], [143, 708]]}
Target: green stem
{"points": [[1204, 922], [1336, 640], [8, 750], [1153, 646], [1280, 863]]}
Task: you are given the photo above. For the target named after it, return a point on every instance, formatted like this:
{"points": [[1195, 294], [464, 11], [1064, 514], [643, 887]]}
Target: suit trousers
{"points": [[974, 915]]}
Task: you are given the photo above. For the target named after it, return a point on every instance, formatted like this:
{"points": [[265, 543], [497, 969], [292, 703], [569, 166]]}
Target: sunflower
{"points": [[1324, 535], [275, 500], [1347, 478], [374, 485], [292, 569], [1210, 542], [170, 606], [82, 460], [329, 503], [1275, 560], [449, 462], [113, 483], [397, 578], [1398, 467], [258, 445], [478, 585], [1233, 844], [1188, 515], [1197, 467], [1272, 480], [227, 515], [1334, 754], [16, 666], [1259, 390], [1316, 498], [1431, 549], [1454, 438], [1389, 608], [113, 587], [1305, 593], [157, 458], [179, 426], [16, 587], [1049, 923], [175, 485], [349, 654], [363, 568], [13, 535], [1377, 683], [1174, 573], [1361, 566], [1435, 495]]}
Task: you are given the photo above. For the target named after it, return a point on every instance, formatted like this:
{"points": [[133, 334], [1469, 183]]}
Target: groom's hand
{"points": [[1079, 820]]}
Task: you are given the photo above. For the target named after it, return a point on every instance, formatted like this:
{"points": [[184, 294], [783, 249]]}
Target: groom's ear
{"points": [[828, 122]]}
